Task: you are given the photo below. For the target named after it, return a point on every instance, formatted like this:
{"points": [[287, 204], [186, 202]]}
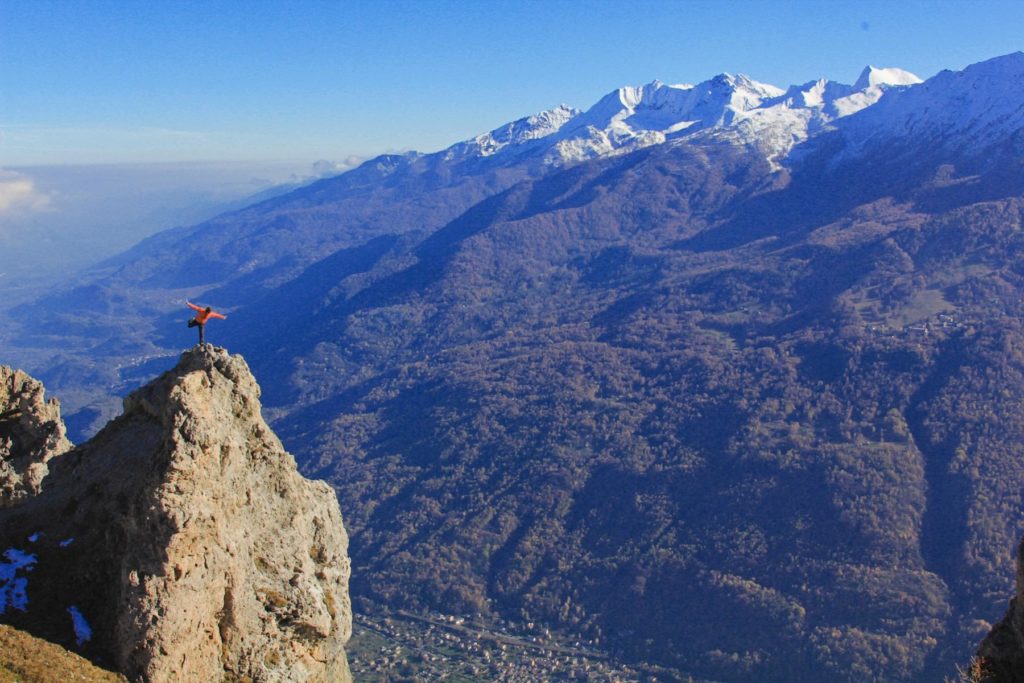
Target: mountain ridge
{"points": [[752, 419], [660, 112]]}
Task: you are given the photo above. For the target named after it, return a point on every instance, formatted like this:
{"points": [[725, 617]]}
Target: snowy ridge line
{"points": [[959, 111], [736, 108]]}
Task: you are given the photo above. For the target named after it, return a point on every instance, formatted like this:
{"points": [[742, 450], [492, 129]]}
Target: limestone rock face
{"points": [[1001, 655], [31, 432], [186, 540]]}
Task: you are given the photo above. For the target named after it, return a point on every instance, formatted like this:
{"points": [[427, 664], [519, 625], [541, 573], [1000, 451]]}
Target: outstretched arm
{"points": [[193, 306], [215, 314]]}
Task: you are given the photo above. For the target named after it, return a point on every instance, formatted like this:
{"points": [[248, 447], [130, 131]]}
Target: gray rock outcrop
{"points": [[31, 433], [1000, 656], [181, 543]]}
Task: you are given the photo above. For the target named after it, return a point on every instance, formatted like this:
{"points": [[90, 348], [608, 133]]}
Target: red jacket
{"points": [[204, 314]]}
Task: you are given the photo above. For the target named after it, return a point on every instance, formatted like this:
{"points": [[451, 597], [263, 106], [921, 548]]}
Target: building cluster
{"points": [[399, 647], [943, 323]]}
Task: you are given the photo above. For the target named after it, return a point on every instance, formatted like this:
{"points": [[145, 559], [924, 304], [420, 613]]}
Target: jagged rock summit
{"points": [[31, 433], [181, 543]]}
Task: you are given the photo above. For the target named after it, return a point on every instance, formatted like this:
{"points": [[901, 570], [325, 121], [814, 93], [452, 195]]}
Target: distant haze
{"points": [[56, 220]]}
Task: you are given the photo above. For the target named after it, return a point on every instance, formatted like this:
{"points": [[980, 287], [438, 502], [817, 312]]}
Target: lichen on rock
{"points": [[199, 552]]}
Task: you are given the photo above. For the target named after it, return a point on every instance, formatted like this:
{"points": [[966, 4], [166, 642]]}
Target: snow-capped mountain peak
{"points": [[731, 107], [515, 134], [814, 94], [534, 127], [873, 77], [869, 88], [966, 109], [638, 116]]}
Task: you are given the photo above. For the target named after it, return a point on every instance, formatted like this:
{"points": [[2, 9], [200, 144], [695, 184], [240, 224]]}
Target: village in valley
{"points": [[401, 646]]}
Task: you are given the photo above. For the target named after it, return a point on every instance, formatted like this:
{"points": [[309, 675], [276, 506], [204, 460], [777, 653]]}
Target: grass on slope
{"points": [[26, 659]]}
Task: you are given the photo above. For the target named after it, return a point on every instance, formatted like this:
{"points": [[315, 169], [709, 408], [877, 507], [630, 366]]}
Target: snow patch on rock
{"points": [[83, 632], [14, 588]]}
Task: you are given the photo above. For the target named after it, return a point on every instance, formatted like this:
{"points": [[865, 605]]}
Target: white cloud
{"points": [[324, 168], [18, 193]]}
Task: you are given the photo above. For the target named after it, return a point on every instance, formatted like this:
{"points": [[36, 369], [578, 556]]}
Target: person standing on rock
{"points": [[202, 315]]}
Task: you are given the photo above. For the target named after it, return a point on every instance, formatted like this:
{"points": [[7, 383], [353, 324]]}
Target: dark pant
{"points": [[195, 323]]}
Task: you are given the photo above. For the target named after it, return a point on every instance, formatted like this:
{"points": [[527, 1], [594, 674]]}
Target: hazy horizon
{"points": [[59, 219]]}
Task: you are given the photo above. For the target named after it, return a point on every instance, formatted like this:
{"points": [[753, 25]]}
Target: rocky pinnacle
{"points": [[31, 433], [181, 543]]}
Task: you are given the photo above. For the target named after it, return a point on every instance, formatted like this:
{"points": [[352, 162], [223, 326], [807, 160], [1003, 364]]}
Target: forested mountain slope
{"points": [[787, 443], [757, 422]]}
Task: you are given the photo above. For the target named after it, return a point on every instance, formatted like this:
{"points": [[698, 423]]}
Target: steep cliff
{"points": [[31, 432], [1000, 657], [181, 543]]}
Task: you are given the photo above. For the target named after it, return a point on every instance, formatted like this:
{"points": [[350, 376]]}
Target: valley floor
{"points": [[402, 646]]}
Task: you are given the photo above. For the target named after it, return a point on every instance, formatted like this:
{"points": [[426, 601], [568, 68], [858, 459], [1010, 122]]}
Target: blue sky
{"points": [[301, 80]]}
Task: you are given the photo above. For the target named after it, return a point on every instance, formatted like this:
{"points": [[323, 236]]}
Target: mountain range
{"points": [[726, 377]]}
